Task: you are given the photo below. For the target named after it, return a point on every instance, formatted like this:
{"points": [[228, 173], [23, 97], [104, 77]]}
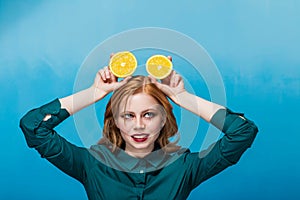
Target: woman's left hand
{"points": [[172, 85]]}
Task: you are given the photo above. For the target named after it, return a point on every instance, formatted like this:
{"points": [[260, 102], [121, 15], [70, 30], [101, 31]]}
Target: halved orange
{"points": [[159, 66], [123, 64]]}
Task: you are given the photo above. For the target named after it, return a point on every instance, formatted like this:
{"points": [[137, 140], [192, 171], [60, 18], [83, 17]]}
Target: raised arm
{"points": [[104, 83], [239, 132], [38, 125], [173, 87]]}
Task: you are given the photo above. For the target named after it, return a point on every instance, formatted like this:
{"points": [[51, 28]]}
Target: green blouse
{"points": [[107, 175]]}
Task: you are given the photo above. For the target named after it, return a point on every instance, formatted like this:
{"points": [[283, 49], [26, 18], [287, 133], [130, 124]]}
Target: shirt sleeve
{"points": [[40, 135], [239, 134]]}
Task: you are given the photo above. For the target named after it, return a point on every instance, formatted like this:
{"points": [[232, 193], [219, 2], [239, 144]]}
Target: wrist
{"points": [[178, 98], [97, 93]]}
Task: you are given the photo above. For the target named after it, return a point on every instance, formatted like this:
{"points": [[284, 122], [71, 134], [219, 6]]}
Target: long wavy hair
{"points": [[135, 85]]}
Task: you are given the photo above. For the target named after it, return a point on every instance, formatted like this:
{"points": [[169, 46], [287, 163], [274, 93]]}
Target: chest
{"points": [[166, 183]]}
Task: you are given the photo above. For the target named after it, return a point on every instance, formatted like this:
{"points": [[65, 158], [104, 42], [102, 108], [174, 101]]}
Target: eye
{"points": [[149, 115], [127, 116]]}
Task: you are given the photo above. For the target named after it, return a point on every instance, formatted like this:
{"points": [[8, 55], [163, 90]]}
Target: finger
{"points": [[167, 80], [177, 79], [172, 81], [155, 82], [170, 58], [107, 72], [102, 74], [111, 55], [124, 81], [113, 77], [98, 78], [152, 79]]}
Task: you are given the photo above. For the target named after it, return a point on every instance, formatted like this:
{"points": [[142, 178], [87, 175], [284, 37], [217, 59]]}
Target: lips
{"points": [[140, 137]]}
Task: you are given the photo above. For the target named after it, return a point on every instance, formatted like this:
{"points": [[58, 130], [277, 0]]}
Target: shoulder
{"points": [[181, 155], [100, 150]]}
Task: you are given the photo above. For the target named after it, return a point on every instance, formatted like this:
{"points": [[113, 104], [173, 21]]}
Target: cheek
{"points": [[124, 126], [155, 125], [125, 137], [155, 137]]}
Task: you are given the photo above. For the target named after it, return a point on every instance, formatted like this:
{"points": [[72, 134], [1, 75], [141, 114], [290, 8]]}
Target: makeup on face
{"points": [[141, 122]]}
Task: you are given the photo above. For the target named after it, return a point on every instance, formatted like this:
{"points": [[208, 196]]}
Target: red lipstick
{"points": [[140, 137]]}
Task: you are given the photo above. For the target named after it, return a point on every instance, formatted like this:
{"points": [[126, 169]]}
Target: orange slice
{"points": [[123, 64], [159, 66]]}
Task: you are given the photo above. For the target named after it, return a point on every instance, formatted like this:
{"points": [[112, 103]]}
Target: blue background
{"points": [[254, 43]]}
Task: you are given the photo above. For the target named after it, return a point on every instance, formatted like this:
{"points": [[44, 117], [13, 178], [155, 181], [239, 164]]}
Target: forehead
{"points": [[139, 102]]}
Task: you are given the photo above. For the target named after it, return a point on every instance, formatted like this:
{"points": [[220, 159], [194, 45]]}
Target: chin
{"points": [[141, 146]]}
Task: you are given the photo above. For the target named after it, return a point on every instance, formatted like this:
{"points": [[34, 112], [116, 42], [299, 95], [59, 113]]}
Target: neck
{"points": [[138, 153]]}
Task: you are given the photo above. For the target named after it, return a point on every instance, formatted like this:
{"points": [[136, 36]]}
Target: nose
{"points": [[139, 124]]}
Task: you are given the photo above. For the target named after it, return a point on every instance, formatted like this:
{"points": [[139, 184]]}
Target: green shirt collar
{"points": [[122, 161], [155, 159]]}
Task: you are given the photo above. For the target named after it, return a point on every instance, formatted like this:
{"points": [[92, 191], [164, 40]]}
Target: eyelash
{"points": [[151, 115], [128, 116]]}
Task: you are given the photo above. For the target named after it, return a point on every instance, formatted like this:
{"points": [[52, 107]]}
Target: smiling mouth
{"points": [[140, 137]]}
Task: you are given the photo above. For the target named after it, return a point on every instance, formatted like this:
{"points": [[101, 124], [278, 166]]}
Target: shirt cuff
{"points": [[34, 118], [57, 114]]}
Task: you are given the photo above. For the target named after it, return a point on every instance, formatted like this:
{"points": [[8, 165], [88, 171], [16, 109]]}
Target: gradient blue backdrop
{"points": [[254, 43]]}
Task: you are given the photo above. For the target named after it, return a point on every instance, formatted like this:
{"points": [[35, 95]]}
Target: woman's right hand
{"points": [[106, 82]]}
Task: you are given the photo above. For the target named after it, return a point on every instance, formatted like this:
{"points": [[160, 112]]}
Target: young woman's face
{"points": [[140, 123]]}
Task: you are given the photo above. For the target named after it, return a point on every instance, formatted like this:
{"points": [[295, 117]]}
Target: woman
{"points": [[135, 159]]}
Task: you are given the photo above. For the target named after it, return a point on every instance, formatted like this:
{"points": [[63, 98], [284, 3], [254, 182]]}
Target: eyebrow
{"points": [[144, 111]]}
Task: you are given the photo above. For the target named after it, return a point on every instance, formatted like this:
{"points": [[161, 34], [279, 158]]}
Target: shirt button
{"points": [[141, 171], [242, 117]]}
